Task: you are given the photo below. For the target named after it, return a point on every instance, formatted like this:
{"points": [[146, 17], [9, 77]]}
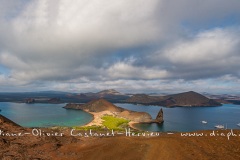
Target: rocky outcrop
{"points": [[159, 118], [135, 116], [6, 121]]}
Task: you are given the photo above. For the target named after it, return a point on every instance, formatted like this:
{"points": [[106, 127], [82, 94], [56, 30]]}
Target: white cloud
{"points": [[128, 71], [208, 54], [207, 46], [78, 42]]}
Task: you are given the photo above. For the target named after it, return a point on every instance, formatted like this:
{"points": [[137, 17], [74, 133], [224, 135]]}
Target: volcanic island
{"points": [[102, 108]]}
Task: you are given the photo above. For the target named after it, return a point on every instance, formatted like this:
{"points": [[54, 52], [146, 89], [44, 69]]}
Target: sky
{"points": [[153, 46]]}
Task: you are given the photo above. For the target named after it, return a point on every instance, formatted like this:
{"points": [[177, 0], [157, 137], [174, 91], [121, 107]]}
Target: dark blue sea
{"points": [[189, 118], [175, 119]]}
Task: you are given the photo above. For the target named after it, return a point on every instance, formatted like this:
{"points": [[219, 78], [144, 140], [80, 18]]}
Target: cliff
{"points": [[6, 121], [159, 118]]}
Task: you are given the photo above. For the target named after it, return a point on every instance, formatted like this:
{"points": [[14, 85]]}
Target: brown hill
{"points": [[182, 99], [95, 106], [143, 99], [6, 121], [189, 99], [8, 125], [101, 105], [110, 95]]}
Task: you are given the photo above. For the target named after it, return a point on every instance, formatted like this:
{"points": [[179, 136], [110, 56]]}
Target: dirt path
{"points": [[165, 146]]}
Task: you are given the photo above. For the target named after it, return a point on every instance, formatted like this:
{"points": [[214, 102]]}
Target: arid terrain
{"points": [[165, 146], [102, 107]]}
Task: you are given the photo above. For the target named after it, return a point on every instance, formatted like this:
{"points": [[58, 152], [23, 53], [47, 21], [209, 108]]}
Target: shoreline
{"points": [[131, 125], [97, 119]]}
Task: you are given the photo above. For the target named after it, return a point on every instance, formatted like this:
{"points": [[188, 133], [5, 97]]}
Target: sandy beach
{"points": [[97, 120]]}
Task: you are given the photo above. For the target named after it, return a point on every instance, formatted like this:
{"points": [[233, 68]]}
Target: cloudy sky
{"points": [[128, 45]]}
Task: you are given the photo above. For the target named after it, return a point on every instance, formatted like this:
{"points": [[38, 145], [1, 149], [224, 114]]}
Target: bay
{"points": [[175, 119], [43, 115]]}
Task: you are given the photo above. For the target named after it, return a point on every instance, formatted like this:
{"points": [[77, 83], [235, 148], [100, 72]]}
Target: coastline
{"points": [[131, 125], [178, 145], [97, 121], [100, 108]]}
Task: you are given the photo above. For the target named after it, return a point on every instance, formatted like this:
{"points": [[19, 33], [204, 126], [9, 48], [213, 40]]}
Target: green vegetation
{"points": [[109, 122], [114, 123]]}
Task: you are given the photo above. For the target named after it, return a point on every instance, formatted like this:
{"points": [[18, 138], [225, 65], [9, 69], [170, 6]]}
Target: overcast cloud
{"points": [[132, 46]]}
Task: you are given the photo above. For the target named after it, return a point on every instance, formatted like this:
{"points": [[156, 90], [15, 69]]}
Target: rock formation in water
{"points": [[159, 118]]}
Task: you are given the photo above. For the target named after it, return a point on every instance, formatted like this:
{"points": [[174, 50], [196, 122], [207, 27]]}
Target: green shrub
{"points": [[114, 123]]}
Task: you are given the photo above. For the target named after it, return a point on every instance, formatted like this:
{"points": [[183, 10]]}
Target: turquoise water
{"points": [[175, 119], [43, 115], [189, 118]]}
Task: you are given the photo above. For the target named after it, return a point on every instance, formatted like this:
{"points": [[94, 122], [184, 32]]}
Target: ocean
{"points": [[186, 119], [43, 115], [175, 119]]}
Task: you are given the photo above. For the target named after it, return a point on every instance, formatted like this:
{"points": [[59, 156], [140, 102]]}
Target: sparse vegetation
{"points": [[114, 123], [109, 123]]}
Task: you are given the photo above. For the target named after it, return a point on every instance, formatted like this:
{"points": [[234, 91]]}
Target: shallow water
{"points": [[43, 115], [175, 119]]}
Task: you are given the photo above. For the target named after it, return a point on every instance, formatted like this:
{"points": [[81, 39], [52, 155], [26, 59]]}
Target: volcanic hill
{"points": [[102, 105], [186, 99]]}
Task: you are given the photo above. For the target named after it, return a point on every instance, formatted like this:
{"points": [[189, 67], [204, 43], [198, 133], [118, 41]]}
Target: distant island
{"points": [[185, 99]]}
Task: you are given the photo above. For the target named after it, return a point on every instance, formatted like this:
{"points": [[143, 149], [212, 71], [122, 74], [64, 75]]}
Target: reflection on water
{"points": [[189, 118]]}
